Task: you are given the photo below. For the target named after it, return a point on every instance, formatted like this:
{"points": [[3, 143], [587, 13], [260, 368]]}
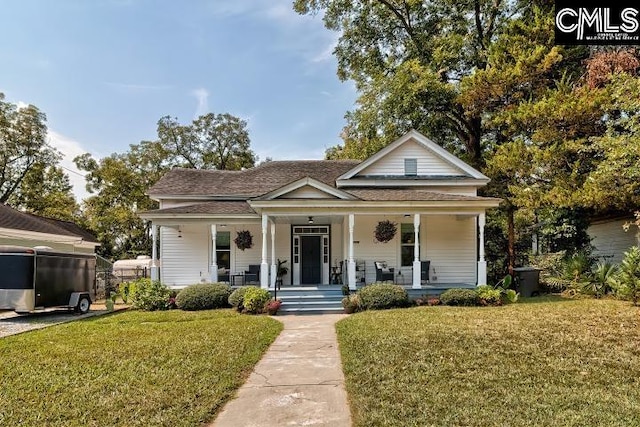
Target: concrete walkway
{"points": [[298, 382]]}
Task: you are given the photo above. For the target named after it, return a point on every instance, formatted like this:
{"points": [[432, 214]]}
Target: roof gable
{"points": [[433, 162], [307, 188]]}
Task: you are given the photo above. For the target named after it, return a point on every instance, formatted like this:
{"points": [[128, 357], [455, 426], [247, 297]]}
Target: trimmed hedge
{"points": [[380, 296], [255, 299], [460, 297], [204, 297], [236, 299]]}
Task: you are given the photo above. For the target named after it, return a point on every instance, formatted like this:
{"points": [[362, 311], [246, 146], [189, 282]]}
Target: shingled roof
{"points": [[406, 194], [13, 219], [248, 183], [215, 207]]}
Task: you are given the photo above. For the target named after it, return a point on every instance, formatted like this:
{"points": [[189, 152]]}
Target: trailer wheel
{"points": [[83, 305]]}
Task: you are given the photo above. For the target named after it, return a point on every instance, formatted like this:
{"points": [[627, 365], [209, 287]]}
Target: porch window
{"points": [[223, 249], [407, 244]]}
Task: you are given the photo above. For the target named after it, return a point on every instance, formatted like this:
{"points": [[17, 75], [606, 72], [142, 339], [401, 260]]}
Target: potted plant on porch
{"points": [[281, 271]]}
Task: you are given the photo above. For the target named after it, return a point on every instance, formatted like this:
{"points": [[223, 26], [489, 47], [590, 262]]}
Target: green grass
{"points": [[543, 362], [170, 368]]}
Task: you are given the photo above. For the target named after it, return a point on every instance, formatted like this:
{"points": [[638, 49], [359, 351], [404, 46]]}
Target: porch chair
{"points": [[252, 275], [383, 273]]}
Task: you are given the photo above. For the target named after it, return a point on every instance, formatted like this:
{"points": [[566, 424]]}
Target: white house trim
{"points": [[429, 145], [304, 182]]}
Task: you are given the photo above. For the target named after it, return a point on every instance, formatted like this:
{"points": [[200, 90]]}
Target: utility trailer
{"points": [[33, 279]]}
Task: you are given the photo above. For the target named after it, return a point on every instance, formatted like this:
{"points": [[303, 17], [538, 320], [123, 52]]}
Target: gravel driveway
{"points": [[12, 323]]}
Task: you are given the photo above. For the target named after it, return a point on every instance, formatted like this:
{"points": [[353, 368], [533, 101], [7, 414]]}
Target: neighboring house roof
{"points": [[15, 220], [249, 183]]}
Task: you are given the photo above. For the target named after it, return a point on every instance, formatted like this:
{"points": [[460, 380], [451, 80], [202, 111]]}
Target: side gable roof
{"points": [[15, 220], [466, 171], [247, 183]]}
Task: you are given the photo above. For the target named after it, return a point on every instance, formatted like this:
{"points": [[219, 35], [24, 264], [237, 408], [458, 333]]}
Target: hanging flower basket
{"points": [[385, 231], [244, 240]]}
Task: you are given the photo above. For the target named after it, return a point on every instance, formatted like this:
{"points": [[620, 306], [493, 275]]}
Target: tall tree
{"points": [[23, 146], [211, 141], [118, 183], [46, 191], [409, 60]]}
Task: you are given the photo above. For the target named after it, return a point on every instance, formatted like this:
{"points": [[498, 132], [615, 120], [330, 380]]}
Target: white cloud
{"points": [[202, 95], [20, 105], [70, 149]]}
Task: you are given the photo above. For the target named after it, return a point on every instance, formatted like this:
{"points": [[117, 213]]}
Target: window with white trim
{"points": [[223, 249], [407, 244]]}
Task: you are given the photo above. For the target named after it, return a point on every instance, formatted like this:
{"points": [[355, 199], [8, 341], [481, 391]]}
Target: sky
{"points": [[105, 71]]}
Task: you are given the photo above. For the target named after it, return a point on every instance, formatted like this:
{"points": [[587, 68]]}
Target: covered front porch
{"points": [[322, 247]]}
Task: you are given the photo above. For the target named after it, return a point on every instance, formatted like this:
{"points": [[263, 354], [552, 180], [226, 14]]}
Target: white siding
{"points": [[451, 248], [428, 162], [184, 259], [187, 260], [611, 241], [307, 192], [368, 249]]}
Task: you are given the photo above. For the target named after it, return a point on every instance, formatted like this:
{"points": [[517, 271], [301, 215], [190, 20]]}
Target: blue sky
{"points": [[105, 71]]}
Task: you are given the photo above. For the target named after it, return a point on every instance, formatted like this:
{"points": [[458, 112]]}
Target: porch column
{"points": [[482, 264], [264, 267], [351, 265], [214, 254], [154, 253], [273, 255], [416, 253]]}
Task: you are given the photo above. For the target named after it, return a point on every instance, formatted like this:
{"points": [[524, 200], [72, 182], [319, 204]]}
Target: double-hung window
{"points": [[223, 249], [407, 244]]}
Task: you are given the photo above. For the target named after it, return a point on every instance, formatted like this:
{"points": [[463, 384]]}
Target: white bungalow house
{"points": [[321, 215]]}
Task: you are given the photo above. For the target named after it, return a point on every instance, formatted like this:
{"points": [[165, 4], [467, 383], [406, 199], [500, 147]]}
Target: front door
{"points": [[311, 267]]}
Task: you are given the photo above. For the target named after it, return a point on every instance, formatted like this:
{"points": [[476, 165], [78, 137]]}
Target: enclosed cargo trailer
{"points": [[34, 279]]}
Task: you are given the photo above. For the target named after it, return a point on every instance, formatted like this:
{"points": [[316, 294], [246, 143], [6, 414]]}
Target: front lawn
{"points": [[545, 361], [170, 368]]}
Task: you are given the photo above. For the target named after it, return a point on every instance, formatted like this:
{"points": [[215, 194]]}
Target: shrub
{"points": [[488, 295], [255, 299], [626, 282], [204, 297], [433, 301], [463, 297], [598, 283], [149, 295], [236, 299], [380, 296], [351, 303], [273, 306]]}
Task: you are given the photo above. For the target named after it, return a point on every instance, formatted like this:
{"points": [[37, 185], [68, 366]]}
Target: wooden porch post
{"points": [[273, 255], [264, 267], [351, 266], [482, 264], [154, 253], [416, 252], [214, 254]]}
